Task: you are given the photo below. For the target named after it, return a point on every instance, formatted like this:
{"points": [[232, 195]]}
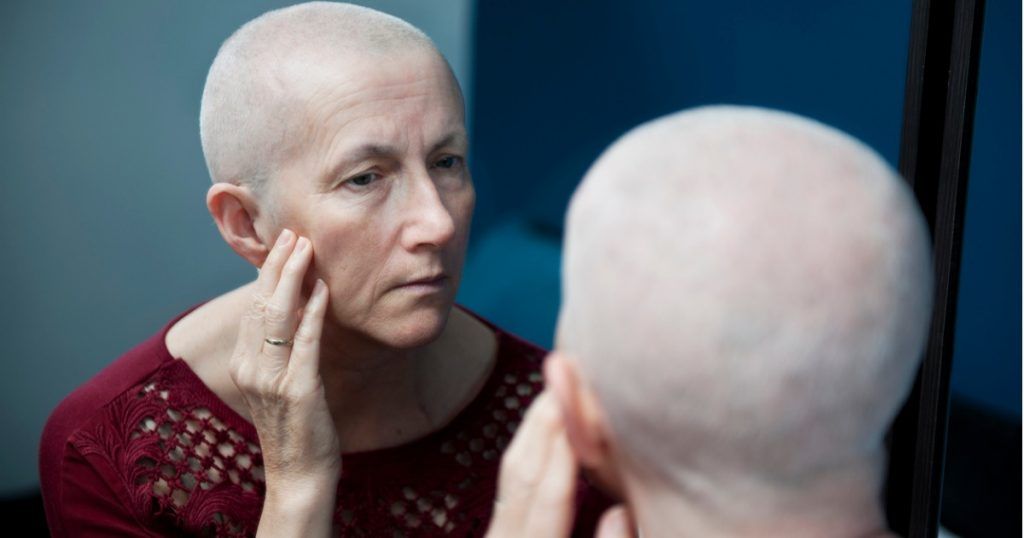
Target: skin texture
{"points": [[335, 138], [284, 393], [745, 298], [403, 205]]}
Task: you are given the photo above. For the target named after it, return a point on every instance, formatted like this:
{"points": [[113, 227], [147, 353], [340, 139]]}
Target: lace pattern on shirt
{"points": [[188, 471], [183, 467]]}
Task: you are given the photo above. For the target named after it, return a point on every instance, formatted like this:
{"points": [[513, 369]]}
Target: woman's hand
{"points": [[276, 368], [537, 485]]}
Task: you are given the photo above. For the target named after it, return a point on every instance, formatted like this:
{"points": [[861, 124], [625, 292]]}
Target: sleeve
{"points": [[87, 499]]}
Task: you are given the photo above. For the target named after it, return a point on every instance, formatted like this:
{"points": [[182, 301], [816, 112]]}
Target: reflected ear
{"points": [[585, 423], [582, 415], [235, 210]]}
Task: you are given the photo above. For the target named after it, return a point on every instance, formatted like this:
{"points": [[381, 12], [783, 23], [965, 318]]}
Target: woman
{"points": [[340, 390]]}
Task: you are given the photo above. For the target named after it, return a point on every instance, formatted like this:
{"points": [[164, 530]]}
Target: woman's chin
{"points": [[412, 338], [412, 330]]}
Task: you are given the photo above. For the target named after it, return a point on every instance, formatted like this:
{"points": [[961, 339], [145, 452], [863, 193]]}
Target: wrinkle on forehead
{"points": [[257, 84], [387, 109]]}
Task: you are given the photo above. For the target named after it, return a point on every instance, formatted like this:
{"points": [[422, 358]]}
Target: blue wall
{"points": [[987, 353], [555, 84]]}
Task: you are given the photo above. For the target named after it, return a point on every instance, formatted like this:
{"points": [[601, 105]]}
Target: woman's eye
{"points": [[448, 162], [362, 180]]}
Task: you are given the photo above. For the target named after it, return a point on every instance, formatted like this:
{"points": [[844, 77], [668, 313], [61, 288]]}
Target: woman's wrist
{"points": [[298, 508]]}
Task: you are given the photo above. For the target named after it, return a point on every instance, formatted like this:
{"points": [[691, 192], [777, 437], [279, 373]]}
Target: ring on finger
{"points": [[279, 341]]}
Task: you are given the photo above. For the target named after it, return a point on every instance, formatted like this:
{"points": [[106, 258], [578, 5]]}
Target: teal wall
{"points": [[103, 223]]}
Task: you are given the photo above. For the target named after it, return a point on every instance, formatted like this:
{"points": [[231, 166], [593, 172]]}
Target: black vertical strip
{"points": [[938, 122], [924, 100], [950, 202]]}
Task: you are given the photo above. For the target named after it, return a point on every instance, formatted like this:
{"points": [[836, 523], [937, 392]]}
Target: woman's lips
{"points": [[425, 285]]}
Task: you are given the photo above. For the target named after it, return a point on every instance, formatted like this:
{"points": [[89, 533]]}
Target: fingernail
{"points": [[286, 235], [302, 244], [319, 290], [614, 523]]}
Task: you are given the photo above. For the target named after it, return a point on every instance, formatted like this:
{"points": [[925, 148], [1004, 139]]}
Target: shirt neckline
{"points": [[506, 343]]}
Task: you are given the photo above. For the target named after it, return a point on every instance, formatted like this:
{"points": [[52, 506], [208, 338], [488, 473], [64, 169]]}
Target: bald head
{"points": [[745, 290], [252, 113]]}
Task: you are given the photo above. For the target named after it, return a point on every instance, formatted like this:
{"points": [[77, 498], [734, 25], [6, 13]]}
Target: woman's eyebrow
{"points": [[372, 150], [355, 156], [453, 138], [369, 150]]}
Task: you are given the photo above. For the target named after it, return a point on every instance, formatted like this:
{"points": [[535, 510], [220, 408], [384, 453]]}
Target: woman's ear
{"points": [[584, 420], [235, 210]]}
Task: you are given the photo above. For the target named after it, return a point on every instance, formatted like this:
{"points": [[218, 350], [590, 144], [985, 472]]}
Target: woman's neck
{"points": [[381, 397], [378, 397]]}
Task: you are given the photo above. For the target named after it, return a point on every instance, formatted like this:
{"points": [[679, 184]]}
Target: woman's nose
{"points": [[429, 224]]}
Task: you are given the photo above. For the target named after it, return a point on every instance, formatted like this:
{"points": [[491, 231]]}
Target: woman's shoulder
{"points": [[116, 386], [126, 372]]}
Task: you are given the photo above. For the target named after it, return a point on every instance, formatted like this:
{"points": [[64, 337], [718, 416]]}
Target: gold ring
{"points": [[278, 341]]}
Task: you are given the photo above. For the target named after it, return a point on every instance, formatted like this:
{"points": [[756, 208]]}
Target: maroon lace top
{"points": [[144, 448]]}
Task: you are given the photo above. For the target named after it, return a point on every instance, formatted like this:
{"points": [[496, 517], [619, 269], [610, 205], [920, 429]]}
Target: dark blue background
{"points": [[556, 82]]}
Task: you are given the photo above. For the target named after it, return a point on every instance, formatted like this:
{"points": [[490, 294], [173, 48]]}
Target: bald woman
{"points": [[746, 295], [341, 392]]}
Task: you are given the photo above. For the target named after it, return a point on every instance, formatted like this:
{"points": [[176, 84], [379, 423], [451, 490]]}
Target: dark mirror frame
{"points": [[935, 151]]}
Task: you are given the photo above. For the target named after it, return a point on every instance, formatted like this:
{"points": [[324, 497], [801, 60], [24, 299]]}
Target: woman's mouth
{"points": [[430, 284]]}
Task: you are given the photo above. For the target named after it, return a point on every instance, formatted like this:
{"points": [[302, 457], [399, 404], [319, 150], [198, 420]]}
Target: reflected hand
{"points": [[537, 485]]}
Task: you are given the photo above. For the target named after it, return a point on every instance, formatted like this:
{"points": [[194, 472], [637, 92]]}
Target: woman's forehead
{"points": [[371, 96]]}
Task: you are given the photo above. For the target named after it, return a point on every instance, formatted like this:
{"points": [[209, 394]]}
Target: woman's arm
{"points": [[91, 500]]}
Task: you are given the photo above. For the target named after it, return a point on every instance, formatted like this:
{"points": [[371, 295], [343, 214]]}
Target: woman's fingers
{"points": [[304, 365], [281, 316], [270, 271], [251, 330], [537, 483], [553, 508], [615, 523], [522, 466]]}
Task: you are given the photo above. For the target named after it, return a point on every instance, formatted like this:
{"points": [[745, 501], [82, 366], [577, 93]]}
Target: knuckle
{"points": [[262, 386], [292, 394], [275, 314], [240, 372], [257, 305], [293, 266], [305, 335]]}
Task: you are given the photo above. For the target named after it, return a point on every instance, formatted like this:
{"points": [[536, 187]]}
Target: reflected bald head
{"points": [[746, 290], [252, 108]]}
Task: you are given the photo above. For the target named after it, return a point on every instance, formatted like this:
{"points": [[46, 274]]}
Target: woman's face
{"points": [[379, 184]]}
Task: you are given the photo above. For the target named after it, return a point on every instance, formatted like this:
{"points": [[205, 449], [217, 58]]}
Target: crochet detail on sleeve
{"points": [[184, 469]]}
